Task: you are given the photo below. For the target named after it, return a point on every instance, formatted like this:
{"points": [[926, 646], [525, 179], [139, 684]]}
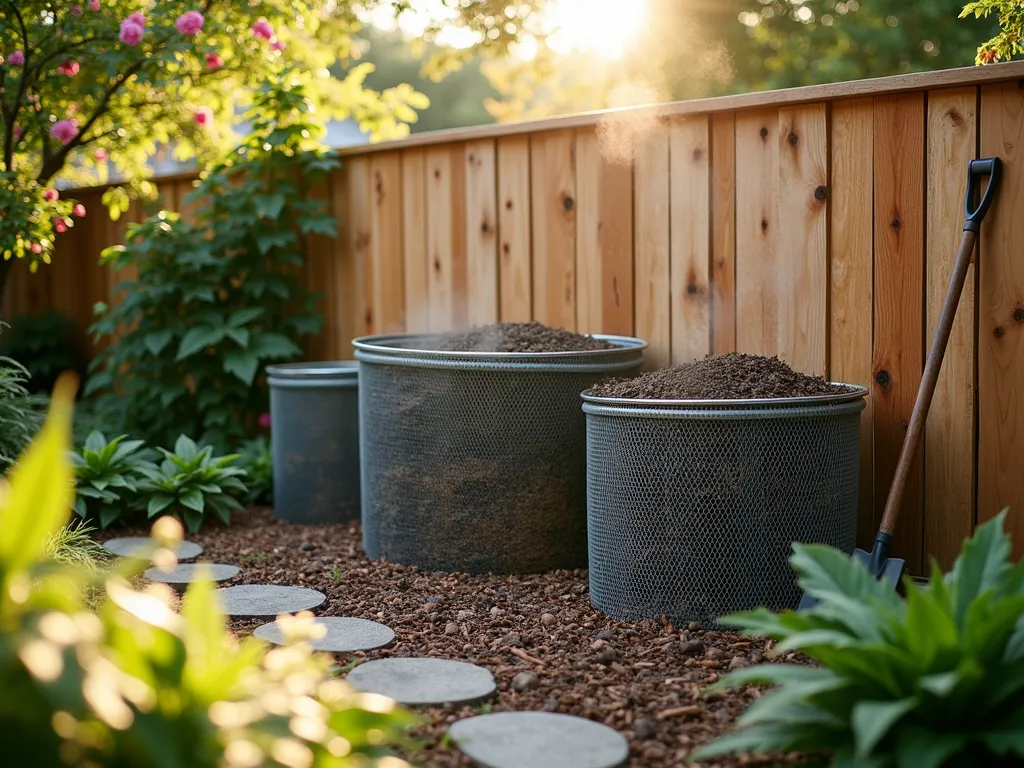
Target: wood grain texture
{"points": [[802, 256], [340, 325], [360, 242], [1001, 318], [690, 238], [723, 233], [604, 240], [851, 322], [320, 252], [553, 206], [516, 257], [899, 280], [446, 238], [415, 264], [481, 233], [757, 275], [949, 436], [386, 282], [651, 273]]}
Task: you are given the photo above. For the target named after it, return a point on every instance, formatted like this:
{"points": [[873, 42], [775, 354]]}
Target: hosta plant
{"points": [[135, 683], [255, 458], [191, 483], [106, 476], [934, 680]]}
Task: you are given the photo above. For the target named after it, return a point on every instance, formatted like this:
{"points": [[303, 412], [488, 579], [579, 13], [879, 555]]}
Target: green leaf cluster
{"points": [[215, 302], [49, 343], [106, 476], [133, 683], [255, 458], [20, 415], [933, 680], [1009, 40]]}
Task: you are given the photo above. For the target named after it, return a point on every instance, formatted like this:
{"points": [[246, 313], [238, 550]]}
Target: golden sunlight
{"points": [[601, 27]]}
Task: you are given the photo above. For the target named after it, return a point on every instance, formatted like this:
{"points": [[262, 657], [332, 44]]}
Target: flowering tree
{"points": [[1009, 42], [91, 84]]}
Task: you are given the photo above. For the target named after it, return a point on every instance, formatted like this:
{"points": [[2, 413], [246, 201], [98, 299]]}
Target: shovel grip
{"points": [[977, 170]]}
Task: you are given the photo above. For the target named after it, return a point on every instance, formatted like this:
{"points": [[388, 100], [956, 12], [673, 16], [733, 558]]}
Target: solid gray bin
{"points": [[314, 435]]}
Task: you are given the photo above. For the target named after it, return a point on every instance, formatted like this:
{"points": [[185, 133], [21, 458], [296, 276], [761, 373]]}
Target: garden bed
{"points": [[546, 645]]}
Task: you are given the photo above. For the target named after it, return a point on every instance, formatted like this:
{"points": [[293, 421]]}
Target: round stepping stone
{"points": [[130, 546], [344, 635], [415, 682], [267, 599], [539, 740], [184, 574]]}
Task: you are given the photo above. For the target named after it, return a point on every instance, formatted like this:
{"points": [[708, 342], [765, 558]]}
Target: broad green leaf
{"points": [[108, 515], [157, 341], [204, 628], [95, 442], [127, 448], [928, 627], [193, 499], [771, 737], [940, 684], [185, 448], [193, 520], [240, 317], [983, 564], [198, 339], [918, 748], [269, 206], [1015, 645], [242, 364], [273, 345], [773, 674], [238, 335], [872, 720], [158, 503], [825, 571]]}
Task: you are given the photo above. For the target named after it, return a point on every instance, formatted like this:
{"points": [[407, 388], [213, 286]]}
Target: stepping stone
{"points": [[252, 600], [539, 740], [129, 546], [344, 635], [416, 682], [184, 574]]}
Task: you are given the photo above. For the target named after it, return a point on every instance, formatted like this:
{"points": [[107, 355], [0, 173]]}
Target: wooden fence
{"points": [[818, 224]]}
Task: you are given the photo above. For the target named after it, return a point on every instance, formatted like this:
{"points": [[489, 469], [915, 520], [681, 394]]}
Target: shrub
{"points": [[49, 345], [255, 458], [214, 303], [20, 416], [191, 483], [937, 680], [106, 476], [136, 684]]}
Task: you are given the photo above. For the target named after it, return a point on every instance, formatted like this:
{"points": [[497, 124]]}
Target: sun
{"points": [[601, 27]]}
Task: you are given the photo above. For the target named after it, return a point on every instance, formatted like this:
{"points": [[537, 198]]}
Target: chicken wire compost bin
{"points": [[314, 437], [475, 461], [693, 505]]}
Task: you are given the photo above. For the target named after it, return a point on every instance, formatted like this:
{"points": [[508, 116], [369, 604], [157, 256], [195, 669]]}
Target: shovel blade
{"points": [[892, 571]]}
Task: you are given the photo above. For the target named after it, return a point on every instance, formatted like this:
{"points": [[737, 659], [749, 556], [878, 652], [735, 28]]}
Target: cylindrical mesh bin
{"points": [[475, 461], [693, 506], [314, 437]]}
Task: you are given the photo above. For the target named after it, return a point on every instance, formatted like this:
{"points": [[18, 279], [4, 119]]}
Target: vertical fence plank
{"points": [[553, 196], [899, 282], [801, 255], [604, 240], [319, 254], [516, 263], [652, 297], [446, 237], [339, 329], [414, 241], [949, 438], [481, 233], [360, 232], [723, 237], [386, 254], [852, 283], [690, 239], [756, 238], [1001, 317]]}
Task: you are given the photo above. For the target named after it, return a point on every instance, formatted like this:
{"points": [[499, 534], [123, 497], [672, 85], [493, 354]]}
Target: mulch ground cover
{"points": [[548, 648]]}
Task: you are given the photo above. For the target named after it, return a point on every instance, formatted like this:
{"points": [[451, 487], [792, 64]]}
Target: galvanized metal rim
{"points": [[856, 392], [385, 345], [338, 369]]}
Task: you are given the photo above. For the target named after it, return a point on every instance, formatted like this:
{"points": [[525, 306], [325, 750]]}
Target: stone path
{"points": [[258, 600], [344, 635], [130, 546], [421, 682], [538, 740], [184, 574]]}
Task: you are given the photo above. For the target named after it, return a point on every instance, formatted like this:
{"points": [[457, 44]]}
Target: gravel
{"points": [[547, 646]]}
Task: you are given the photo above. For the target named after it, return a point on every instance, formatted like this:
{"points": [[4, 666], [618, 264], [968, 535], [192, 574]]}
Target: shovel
{"points": [[877, 560]]}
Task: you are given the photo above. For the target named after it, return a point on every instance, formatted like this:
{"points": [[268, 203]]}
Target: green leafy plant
{"points": [[20, 414], [49, 344], [134, 683], [935, 680], [1009, 40], [255, 458], [190, 483], [106, 476], [73, 545]]}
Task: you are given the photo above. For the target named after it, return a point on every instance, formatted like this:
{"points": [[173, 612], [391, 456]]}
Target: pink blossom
{"points": [[76, 10], [78, 210], [50, 195], [100, 155], [59, 226], [213, 61], [18, 131], [16, 59], [131, 33], [277, 45], [203, 116], [189, 23], [68, 67], [64, 131], [37, 248], [264, 420], [94, 5], [137, 18], [263, 29]]}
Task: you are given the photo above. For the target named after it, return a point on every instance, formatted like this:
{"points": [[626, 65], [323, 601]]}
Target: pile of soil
{"points": [[514, 337], [546, 645], [732, 376]]}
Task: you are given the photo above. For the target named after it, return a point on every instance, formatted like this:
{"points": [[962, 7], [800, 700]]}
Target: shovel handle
{"points": [[975, 213]]}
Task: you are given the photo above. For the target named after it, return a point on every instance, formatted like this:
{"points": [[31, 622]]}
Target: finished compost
{"points": [[514, 337]]}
